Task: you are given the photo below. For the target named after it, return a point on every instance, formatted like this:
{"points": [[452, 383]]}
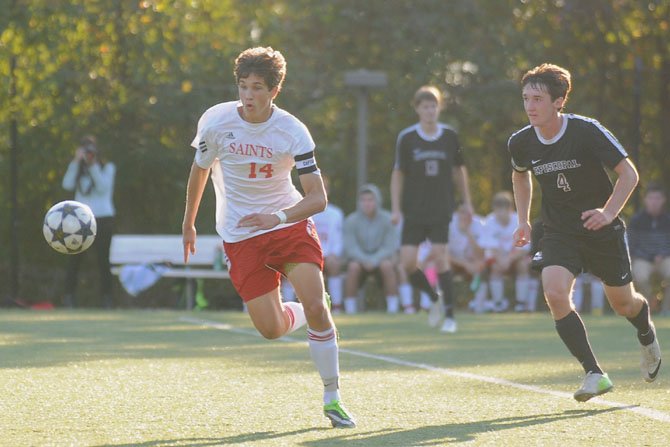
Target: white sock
{"points": [[497, 286], [296, 316], [325, 354], [533, 288], [521, 289], [406, 296], [287, 291], [392, 304], [350, 304], [425, 300], [335, 289], [479, 301]]}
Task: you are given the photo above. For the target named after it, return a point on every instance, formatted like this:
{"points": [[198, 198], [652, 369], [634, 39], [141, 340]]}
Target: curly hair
{"points": [[265, 62]]}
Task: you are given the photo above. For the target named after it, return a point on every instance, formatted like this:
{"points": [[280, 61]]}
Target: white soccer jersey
{"points": [[329, 228], [459, 243], [497, 236], [251, 164]]}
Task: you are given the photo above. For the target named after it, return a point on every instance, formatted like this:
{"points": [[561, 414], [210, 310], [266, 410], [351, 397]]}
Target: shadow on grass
{"points": [[228, 440], [422, 436], [450, 433]]}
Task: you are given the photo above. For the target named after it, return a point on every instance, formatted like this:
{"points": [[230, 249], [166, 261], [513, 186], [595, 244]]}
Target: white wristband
{"points": [[282, 216]]}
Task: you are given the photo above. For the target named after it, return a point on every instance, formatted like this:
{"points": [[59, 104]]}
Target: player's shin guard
{"points": [[572, 331], [296, 316], [446, 284], [325, 354], [419, 281], [642, 322]]}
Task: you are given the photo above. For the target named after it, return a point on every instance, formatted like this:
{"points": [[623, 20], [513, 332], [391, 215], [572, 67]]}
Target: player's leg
{"points": [[557, 282], [272, 318], [521, 266], [608, 259], [322, 338], [418, 280], [628, 303], [390, 281]]}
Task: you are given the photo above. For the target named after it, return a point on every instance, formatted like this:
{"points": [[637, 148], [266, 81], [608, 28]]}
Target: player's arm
{"points": [[523, 192], [397, 184], [626, 182], [463, 184], [314, 201], [197, 180]]}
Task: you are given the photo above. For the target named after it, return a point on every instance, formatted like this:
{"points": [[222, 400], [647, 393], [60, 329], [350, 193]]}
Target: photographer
{"points": [[92, 180]]}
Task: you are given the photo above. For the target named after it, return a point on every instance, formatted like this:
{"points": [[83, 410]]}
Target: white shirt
{"points": [[497, 236], [459, 243], [100, 198], [329, 228], [251, 164]]}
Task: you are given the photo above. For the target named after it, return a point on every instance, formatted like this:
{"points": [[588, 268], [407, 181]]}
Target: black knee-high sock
{"points": [[447, 292], [419, 281], [642, 323], [572, 331]]}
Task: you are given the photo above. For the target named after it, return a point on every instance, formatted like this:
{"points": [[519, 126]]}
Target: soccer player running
{"points": [[567, 154], [251, 146], [427, 164]]}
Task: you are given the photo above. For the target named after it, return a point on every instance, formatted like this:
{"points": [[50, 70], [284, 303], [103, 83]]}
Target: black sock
{"points": [[573, 333], [642, 323], [419, 281], [448, 292]]}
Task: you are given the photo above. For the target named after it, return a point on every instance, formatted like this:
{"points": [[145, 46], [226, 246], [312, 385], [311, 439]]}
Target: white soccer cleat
{"points": [[594, 384], [449, 326], [650, 361]]}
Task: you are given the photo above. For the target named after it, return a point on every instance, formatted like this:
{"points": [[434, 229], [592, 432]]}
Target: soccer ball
{"points": [[69, 227]]}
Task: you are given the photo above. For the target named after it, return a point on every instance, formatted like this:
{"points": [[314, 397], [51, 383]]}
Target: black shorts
{"points": [[604, 255], [416, 233]]}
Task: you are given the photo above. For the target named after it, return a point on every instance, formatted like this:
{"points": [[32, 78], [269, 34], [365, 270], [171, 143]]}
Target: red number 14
{"points": [[265, 169]]}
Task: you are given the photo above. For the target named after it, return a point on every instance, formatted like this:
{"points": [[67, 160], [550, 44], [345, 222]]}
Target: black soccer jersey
{"points": [[570, 169], [427, 163]]}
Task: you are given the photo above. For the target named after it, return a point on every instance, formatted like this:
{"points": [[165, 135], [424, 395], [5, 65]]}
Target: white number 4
{"points": [[562, 182]]}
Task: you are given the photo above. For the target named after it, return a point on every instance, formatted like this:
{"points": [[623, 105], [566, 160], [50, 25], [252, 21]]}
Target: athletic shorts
{"points": [[604, 255], [256, 264], [415, 233]]}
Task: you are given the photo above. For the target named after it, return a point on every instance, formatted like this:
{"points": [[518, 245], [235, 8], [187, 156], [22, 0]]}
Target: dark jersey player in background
{"points": [[428, 162], [568, 154]]}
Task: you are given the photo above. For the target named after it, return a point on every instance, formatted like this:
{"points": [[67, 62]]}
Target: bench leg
{"points": [[190, 293]]}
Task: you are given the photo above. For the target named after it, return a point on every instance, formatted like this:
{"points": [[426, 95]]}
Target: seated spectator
{"points": [[370, 243], [465, 254], [501, 256], [649, 239]]}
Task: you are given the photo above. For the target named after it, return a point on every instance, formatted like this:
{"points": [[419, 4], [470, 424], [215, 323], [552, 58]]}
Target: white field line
{"points": [[643, 411]]}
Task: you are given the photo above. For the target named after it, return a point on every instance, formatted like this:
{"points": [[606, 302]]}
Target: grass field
{"points": [[163, 378]]}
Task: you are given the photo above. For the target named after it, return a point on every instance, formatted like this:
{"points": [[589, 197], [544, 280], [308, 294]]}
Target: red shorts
{"points": [[256, 264]]}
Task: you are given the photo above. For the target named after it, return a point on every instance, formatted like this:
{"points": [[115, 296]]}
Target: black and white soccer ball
{"points": [[69, 227]]}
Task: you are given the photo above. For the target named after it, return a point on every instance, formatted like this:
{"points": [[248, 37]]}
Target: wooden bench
{"points": [[168, 249]]}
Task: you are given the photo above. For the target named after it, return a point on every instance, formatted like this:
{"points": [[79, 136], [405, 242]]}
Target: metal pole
{"points": [[14, 261], [362, 137]]}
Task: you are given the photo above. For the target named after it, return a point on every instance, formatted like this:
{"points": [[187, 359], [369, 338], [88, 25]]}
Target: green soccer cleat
{"points": [[594, 385], [338, 415]]}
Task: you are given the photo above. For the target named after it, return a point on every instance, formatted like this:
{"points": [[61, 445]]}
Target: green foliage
{"points": [[139, 74]]}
